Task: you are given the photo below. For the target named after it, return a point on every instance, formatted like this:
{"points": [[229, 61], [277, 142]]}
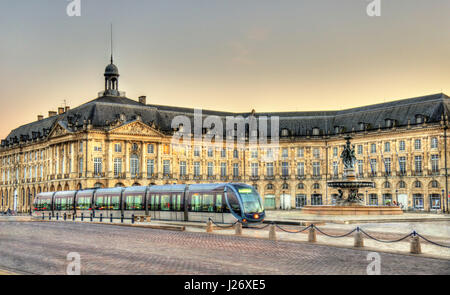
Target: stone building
{"points": [[115, 141]]}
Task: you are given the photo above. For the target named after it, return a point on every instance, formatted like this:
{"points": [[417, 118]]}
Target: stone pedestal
{"points": [[238, 229], [209, 226], [312, 235], [272, 233], [415, 245], [359, 242]]}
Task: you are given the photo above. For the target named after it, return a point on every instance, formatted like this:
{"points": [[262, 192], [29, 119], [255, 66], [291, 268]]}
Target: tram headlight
{"points": [[256, 216]]}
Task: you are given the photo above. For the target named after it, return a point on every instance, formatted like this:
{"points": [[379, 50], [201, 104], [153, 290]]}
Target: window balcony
{"points": [[254, 177], [184, 177], [151, 176], [317, 177], [223, 178], [418, 173], [300, 176], [433, 172], [269, 177], [136, 176], [99, 174], [236, 178], [80, 175], [211, 177], [66, 176], [372, 174], [387, 174], [119, 175], [285, 177], [167, 176], [59, 176]]}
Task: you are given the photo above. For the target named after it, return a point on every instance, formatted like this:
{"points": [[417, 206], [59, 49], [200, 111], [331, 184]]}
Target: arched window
{"points": [[387, 184], [285, 186], [402, 184], [134, 165], [417, 184], [316, 186], [269, 186], [434, 184], [300, 185]]}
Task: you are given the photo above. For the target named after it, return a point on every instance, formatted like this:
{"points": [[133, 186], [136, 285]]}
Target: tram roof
{"points": [[167, 188]]}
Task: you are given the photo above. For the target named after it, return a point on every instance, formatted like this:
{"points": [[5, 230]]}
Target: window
{"points": [[387, 184], [316, 131], [182, 168], [223, 169], [373, 166], [269, 153], [285, 169], [373, 148], [134, 202], [80, 165], [387, 166], [360, 167], [402, 146], [418, 201], [417, 184], [387, 199], [269, 169], [134, 165], [300, 168], [97, 147], [166, 149], [417, 144], [235, 170], [196, 169], [254, 153], [316, 168], [165, 203], [97, 166], [150, 167], [335, 169], [210, 169], [166, 167], [373, 199], [434, 184], [387, 147], [284, 152], [360, 149], [316, 200], [223, 153], [254, 169], [418, 163], [402, 165], [117, 148], [335, 152], [300, 185], [285, 186], [150, 148], [435, 163], [235, 154], [435, 201], [316, 186], [316, 153], [300, 152], [434, 143], [402, 184], [117, 166], [80, 147], [210, 152], [300, 200]]}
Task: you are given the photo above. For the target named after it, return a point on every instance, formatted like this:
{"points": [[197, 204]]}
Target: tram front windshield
{"points": [[250, 199]]}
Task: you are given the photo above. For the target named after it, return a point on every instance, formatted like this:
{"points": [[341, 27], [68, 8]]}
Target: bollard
{"points": [[121, 218], [209, 227], [238, 229], [272, 232], [415, 244], [101, 217], [43, 216], [91, 217], [65, 216], [110, 217], [359, 242], [57, 216], [312, 234], [132, 218], [49, 216], [82, 216], [73, 217]]}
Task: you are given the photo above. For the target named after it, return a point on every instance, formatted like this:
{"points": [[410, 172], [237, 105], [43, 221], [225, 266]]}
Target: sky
{"points": [[231, 55]]}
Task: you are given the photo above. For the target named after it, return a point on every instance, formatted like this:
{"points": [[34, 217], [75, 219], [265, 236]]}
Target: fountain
{"points": [[348, 201]]}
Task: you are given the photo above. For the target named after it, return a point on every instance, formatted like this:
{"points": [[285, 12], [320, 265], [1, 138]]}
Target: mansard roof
{"points": [[107, 111]]}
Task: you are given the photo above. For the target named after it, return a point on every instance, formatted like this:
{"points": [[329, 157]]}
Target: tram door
{"points": [[285, 201], [403, 201]]}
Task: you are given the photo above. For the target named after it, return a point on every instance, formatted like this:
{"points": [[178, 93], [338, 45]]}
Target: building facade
{"points": [[115, 141]]}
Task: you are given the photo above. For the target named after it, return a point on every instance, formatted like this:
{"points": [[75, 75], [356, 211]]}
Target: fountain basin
{"points": [[354, 209]]}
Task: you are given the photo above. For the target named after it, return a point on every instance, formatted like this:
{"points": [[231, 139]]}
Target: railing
{"points": [[120, 175], [269, 177]]}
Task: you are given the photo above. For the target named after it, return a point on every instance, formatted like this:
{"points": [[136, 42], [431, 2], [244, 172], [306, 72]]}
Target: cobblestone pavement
{"points": [[42, 248]]}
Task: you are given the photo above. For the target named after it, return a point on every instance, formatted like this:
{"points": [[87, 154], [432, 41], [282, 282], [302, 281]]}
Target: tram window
{"points": [[208, 203], [219, 203], [152, 203], [177, 202], [196, 203], [165, 202], [157, 205], [43, 205], [133, 203], [234, 202], [99, 203], [84, 203], [114, 203]]}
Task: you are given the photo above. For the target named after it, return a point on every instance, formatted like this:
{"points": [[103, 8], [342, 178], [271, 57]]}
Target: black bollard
{"points": [[132, 218], [92, 217], [65, 216], [121, 218], [82, 216], [49, 216], [101, 217], [110, 217], [73, 217], [57, 216], [43, 215]]}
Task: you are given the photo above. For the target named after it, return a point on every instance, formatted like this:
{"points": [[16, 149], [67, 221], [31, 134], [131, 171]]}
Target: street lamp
{"points": [[443, 201]]}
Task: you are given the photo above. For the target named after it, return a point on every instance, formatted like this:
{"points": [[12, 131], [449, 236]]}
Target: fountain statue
{"points": [[348, 201]]}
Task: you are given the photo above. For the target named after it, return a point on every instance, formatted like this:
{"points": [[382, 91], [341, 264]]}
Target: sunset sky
{"points": [[233, 55]]}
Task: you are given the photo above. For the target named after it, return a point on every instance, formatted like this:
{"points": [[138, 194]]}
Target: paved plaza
{"points": [[42, 248]]}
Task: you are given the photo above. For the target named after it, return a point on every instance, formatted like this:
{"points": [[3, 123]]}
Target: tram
{"points": [[222, 202]]}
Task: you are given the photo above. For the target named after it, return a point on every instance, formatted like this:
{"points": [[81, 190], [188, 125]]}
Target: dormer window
{"points": [[419, 119], [316, 131], [389, 123], [337, 129], [284, 132]]}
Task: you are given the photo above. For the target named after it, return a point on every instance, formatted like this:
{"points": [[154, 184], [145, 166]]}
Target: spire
{"points": [[111, 74], [111, 44]]}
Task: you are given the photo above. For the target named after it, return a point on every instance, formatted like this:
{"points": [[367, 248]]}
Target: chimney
{"points": [[143, 99], [67, 108], [60, 111], [40, 117], [51, 113]]}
